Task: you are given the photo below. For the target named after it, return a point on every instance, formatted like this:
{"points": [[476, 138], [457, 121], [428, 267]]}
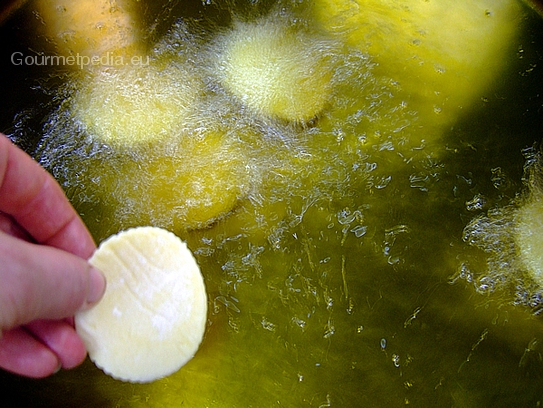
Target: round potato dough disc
{"points": [[152, 317], [276, 71], [528, 238]]}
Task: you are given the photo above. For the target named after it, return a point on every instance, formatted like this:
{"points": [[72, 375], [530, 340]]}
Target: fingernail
{"points": [[59, 367], [97, 287]]}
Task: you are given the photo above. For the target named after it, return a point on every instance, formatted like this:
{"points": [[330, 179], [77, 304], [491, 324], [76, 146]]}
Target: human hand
{"points": [[44, 275]]}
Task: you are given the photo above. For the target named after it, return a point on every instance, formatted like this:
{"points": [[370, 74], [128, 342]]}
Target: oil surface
{"points": [[335, 271]]}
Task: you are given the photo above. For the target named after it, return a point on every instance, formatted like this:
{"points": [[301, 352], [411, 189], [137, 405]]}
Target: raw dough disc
{"points": [[152, 317]]}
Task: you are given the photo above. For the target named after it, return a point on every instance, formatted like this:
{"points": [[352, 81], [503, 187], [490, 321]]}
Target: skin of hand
{"points": [[44, 275]]}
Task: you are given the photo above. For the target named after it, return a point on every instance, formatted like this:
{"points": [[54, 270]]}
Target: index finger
{"points": [[37, 203]]}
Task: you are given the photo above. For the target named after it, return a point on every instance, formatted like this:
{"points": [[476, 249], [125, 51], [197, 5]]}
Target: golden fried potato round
{"points": [[275, 70], [528, 238], [134, 105]]}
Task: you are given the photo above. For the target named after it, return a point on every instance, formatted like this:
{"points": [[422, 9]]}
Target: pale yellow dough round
{"points": [[275, 70], [134, 105], [528, 238], [152, 317]]}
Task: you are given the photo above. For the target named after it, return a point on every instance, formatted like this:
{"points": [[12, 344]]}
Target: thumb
{"points": [[41, 282]]}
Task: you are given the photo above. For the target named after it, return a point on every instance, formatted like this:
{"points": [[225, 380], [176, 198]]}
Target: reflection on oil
{"points": [[326, 239]]}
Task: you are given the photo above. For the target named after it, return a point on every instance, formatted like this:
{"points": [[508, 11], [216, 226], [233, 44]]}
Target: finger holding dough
{"points": [[152, 317]]}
